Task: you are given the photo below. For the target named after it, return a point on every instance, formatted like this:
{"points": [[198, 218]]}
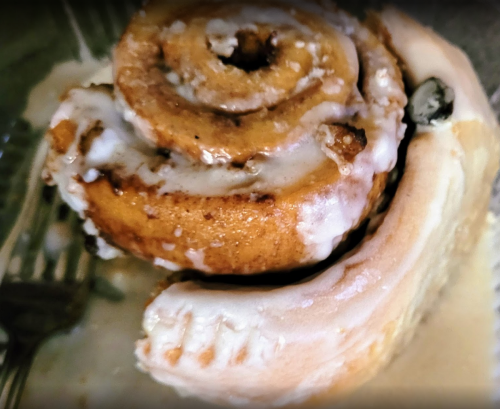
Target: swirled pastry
{"points": [[240, 137], [248, 137]]}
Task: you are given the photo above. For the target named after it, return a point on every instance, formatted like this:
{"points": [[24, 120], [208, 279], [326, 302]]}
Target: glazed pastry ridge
{"points": [[230, 123]]}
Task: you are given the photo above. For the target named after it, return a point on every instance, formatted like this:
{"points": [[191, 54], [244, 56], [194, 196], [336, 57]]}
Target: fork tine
{"points": [[61, 267], [83, 262], [59, 239], [40, 265], [84, 268], [28, 210], [53, 305], [20, 247], [46, 217], [69, 263]]}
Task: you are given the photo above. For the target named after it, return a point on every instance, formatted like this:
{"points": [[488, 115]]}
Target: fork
{"points": [[46, 280]]}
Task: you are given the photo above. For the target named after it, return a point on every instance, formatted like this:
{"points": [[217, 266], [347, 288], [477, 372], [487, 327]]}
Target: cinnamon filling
{"points": [[254, 51]]}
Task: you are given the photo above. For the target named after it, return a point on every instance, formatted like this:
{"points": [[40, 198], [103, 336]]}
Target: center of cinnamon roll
{"points": [[242, 79], [253, 51]]}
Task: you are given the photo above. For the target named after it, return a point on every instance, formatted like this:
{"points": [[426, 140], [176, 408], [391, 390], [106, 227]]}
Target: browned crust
{"points": [[62, 136], [237, 234]]}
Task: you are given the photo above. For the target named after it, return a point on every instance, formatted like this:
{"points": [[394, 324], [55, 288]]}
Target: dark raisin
{"points": [[432, 101]]}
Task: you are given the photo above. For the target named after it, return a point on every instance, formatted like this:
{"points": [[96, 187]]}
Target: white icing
{"points": [[177, 27], [382, 77], [140, 125], [327, 112], [103, 147], [90, 228], [104, 249], [332, 86], [326, 140], [173, 78], [91, 175], [168, 246], [117, 146], [294, 65], [187, 92], [167, 264], [71, 192], [324, 220], [251, 15], [221, 36], [197, 257], [150, 211]]}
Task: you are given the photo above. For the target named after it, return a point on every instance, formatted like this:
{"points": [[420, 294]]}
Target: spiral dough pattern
{"points": [[239, 138]]}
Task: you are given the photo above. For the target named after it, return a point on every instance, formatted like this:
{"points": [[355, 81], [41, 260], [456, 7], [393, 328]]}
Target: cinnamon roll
{"points": [[240, 138], [250, 137]]}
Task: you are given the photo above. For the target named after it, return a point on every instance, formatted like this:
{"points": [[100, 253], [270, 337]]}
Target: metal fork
{"points": [[46, 280]]}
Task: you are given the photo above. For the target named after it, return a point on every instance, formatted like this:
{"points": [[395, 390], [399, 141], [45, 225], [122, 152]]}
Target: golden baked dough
{"points": [[246, 141], [185, 40]]}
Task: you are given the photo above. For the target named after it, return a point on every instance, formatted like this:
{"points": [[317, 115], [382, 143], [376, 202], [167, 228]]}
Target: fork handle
{"points": [[15, 370]]}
